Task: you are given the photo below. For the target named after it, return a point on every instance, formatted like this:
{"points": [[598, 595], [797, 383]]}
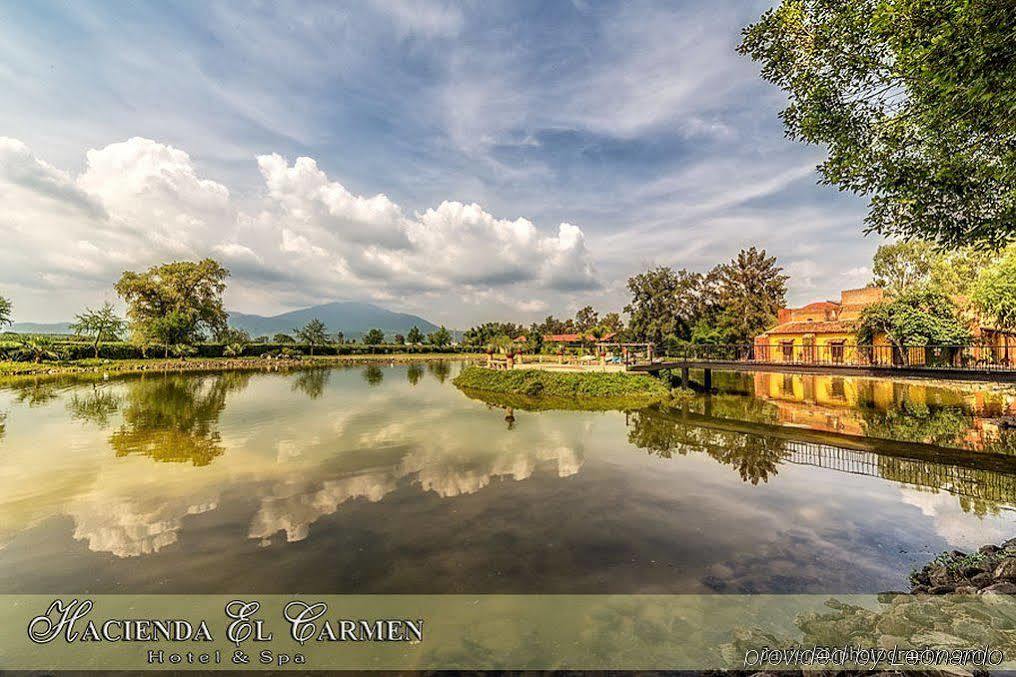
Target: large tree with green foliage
{"points": [[414, 336], [666, 305], [99, 325], [994, 291], [751, 289], [481, 335], [6, 312], [374, 337], [314, 333], [900, 266], [175, 303], [440, 338], [915, 102], [920, 317]]}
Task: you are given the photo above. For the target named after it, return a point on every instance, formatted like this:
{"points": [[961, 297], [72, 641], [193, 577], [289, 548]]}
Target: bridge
{"points": [[973, 362]]}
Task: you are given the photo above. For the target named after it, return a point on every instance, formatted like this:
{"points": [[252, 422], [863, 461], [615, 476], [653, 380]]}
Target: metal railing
{"points": [[996, 356]]}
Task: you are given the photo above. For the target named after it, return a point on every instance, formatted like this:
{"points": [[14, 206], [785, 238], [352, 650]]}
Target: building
{"points": [[577, 339], [826, 332], [821, 331]]}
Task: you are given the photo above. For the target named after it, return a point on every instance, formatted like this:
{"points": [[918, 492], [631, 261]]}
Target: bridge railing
{"points": [[982, 356]]}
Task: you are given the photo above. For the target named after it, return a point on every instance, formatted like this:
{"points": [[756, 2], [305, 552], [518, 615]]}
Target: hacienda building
{"points": [[826, 332]]}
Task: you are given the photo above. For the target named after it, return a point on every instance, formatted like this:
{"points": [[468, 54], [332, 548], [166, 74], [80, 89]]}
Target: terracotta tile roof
{"points": [[574, 338], [834, 327], [820, 305]]}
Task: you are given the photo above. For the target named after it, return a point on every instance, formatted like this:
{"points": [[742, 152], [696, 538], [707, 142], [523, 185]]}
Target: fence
{"points": [[999, 356]]}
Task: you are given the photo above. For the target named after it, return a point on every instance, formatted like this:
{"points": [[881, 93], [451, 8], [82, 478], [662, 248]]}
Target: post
{"points": [[685, 378], [707, 380]]}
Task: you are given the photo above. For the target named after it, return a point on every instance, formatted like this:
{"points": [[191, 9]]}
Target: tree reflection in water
{"points": [[755, 458], [312, 382], [440, 369], [414, 372], [174, 418], [96, 406], [373, 375]]}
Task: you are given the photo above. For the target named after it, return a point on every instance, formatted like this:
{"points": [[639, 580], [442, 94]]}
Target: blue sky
{"points": [[467, 161]]}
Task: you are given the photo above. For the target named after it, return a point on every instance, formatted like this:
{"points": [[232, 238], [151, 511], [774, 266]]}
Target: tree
{"points": [[920, 317], [954, 273], [415, 336], [400, 340], [751, 290], [374, 337], [613, 323], [234, 340], [914, 100], [481, 335], [440, 338], [314, 333], [99, 325], [175, 303], [994, 291], [654, 310], [586, 319], [283, 338], [902, 266], [339, 338], [6, 312]]}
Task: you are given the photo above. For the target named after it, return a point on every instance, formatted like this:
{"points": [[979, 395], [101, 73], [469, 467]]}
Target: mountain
{"points": [[39, 328], [352, 318]]}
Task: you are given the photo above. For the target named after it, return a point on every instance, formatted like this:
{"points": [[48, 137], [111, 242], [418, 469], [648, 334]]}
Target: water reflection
{"points": [[312, 382], [373, 375], [174, 418], [914, 412], [267, 480], [757, 457]]}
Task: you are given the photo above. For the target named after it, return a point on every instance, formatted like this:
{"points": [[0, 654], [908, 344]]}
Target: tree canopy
{"points": [[374, 337], [994, 291], [920, 317], [414, 335], [99, 325], [440, 338], [175, 303], [731, 303], [6, 311], [314, 333], [915, 101]]}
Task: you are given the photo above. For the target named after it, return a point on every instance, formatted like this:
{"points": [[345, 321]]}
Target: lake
{"points": [[388, 479]]}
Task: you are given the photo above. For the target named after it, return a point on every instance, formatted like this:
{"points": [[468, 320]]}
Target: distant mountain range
{"points": [[352, 318]]}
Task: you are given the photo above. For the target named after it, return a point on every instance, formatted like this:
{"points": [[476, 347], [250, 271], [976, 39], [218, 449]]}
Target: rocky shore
{"points": [[990, 570]]}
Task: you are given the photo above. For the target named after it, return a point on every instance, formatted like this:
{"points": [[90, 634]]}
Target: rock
{"points": [[965, 590], [920, 590], [941, 589], [1006, 570], [939, 575], [989, 549], [972, 571], [958, 554], [982, 580], [1003, 588], [1011, 543]]}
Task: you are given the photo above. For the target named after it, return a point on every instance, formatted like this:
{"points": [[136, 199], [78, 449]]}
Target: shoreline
{"points": [[15, 370]]}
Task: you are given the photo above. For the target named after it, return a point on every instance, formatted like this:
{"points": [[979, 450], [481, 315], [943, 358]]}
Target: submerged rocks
{"points": [[989, 571]]}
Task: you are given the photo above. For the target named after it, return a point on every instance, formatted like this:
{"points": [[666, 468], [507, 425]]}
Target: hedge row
{"points": [[76, 350]]}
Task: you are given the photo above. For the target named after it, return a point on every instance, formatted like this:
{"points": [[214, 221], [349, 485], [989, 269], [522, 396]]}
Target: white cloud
{"points": [[140, 202]]}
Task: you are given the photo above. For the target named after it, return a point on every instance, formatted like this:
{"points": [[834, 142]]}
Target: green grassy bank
{"points": [[536, 389], [104, 366]]}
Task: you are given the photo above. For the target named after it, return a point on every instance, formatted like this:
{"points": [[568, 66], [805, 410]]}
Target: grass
{"points": [[105, 366], [537, 389]]}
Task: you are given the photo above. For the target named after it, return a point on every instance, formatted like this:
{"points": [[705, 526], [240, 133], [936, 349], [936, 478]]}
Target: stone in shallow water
{"points": [[1006, 570]]}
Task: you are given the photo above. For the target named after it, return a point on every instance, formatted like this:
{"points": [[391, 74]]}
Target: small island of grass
{"points": [[531, 388]]}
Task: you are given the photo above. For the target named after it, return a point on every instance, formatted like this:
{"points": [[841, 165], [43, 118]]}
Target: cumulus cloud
{"points": [[140, 202]]}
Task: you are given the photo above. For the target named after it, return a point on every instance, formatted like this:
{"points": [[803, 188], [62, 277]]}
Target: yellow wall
{"points": [[822, 352]]}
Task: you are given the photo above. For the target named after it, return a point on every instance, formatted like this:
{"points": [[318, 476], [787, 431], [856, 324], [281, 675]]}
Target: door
{"points": [[836, 352]]}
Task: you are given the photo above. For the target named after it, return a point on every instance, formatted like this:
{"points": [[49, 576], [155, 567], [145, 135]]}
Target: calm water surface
{"points": [[387, 479]]}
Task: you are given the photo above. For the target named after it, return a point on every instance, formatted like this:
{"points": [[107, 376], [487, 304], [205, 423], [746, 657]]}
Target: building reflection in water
{"points": [[913, 412]]}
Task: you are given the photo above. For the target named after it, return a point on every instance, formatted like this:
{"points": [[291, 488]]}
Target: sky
{"points": [[465, 161]]}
